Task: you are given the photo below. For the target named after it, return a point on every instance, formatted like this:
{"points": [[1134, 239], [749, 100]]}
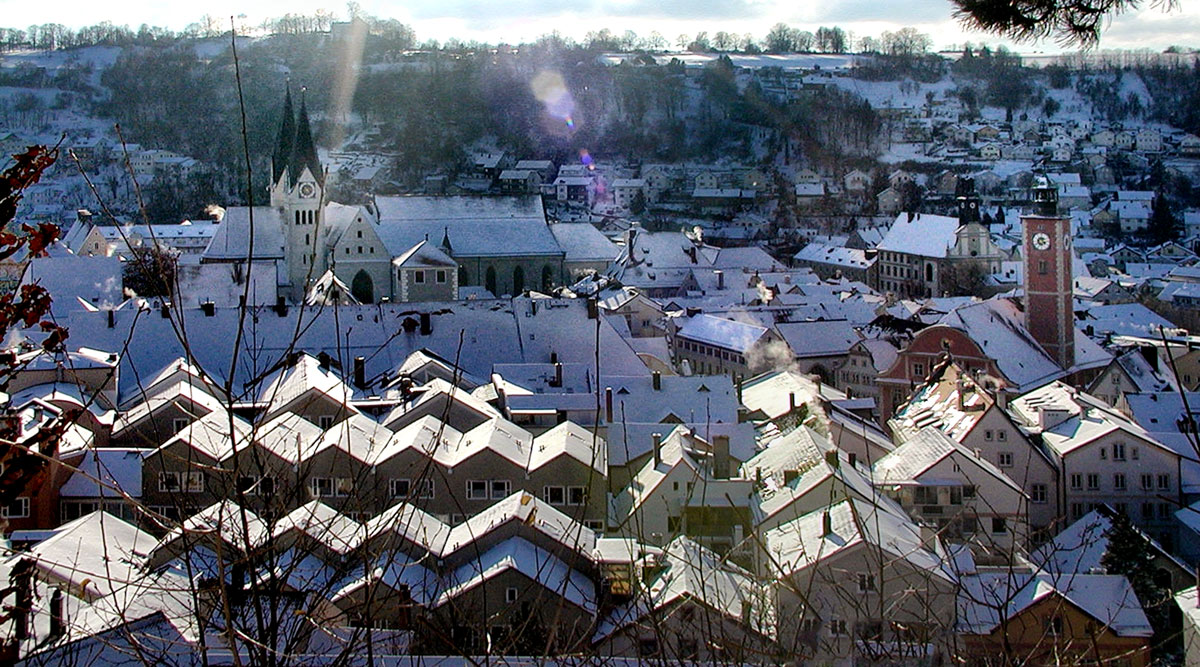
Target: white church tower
{"points": [[298, 193]]}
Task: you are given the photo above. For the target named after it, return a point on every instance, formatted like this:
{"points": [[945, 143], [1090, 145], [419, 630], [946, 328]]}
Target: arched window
{"points": [[518, 280], [363, 288], [929, 272], [489, 280]]}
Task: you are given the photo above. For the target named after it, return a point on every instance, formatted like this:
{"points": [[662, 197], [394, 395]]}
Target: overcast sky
{"points": [[523, 20]]}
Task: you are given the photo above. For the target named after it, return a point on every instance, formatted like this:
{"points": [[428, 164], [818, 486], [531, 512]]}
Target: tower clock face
{"points": [[1041, 241], [308, 190]]}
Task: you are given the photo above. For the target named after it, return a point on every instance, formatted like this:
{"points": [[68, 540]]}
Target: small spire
{"points": [[287, 135], [446, 242], [304, 153]]}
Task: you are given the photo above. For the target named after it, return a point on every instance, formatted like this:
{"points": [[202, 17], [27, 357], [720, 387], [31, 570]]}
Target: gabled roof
{"points": [[423, 255], [924, 235], [323, 524], [477, 226], [1084, 418], [211, 435], [532, 561], [990, 599], [801, 543], [725, 333], [95, 554], [232, 239], [1081, 546], [691, 572], [907, 463], [109, 472], [951, 401], [291, 381], [819, 338]]}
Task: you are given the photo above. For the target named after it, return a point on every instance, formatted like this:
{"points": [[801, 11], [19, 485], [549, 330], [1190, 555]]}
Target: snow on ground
{"points": [[904, 93], [99, 57], [825, 61]]}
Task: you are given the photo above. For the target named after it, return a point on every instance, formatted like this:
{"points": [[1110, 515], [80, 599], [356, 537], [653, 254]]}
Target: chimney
{"points": [[721, 457], [426, 324], [792, 402], [738, 387], [720, 279], [608, 405], [558, 376], [747, 609], [656, 380], [360, 372], [281, 308], [630, 240], [165, 309], [593, 309], [831, 457], [83, 215], [112, 318], [21, 578], [58, 624], [826, 524], [656, 438], [1150, 352], [553, 357], [209, 308]]}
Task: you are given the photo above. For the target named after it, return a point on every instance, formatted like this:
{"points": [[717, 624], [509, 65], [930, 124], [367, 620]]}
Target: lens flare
{"points": [[550, 89]]}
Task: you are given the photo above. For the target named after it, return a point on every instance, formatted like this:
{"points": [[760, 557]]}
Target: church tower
{"points": [[1046, 247], [297, 191]]}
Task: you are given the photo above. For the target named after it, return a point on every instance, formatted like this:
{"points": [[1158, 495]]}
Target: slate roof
{"points": [[477, 226], [232, 238], [924, 235]]}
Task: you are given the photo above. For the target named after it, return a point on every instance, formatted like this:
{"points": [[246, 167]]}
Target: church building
{"points": [[398, 248]]}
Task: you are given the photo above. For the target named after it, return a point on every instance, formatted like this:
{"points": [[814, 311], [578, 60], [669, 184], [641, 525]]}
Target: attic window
{"points": [[703, 388]]}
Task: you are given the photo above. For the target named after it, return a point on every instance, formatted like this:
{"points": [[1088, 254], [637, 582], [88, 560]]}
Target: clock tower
{"points": [[297, 192], [1046, 252]]}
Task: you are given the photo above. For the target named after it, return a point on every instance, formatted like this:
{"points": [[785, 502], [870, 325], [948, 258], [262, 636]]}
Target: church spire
{"points": [[287, 135], [304, 153]]}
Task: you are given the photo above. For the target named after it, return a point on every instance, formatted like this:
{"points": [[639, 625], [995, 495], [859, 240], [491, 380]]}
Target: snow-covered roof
{"points": [[582, 242], [952, 402], [924, 235], [689, 571], [819, 338], [721, 332], [423, 255], [232, 238], [803, 542], [476, 226], [1080, 547], [1084, 418], [95, 554], [532, 561], [110, 472], [817, 253], [908, 463], [990, 599]]}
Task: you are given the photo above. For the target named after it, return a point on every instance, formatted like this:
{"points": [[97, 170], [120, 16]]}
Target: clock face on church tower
{"points": [[1041, 241], [308, 190]]}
